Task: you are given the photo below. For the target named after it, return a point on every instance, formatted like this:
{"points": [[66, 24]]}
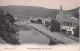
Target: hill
{"points": [[74, 12], [35, 11], [26, 10]]}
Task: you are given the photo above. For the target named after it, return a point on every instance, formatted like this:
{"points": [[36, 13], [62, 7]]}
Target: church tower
{"points": [[60, 13], [61, 8]]}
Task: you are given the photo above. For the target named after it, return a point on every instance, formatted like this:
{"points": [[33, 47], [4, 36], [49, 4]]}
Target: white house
{"points": [[69, 29], [69, 26]]}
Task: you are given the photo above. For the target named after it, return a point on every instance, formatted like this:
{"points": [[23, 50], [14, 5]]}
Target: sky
{"points": [[50, 4]]}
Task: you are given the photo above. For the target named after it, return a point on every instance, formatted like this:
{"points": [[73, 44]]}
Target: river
{"points": [[32, 37]]}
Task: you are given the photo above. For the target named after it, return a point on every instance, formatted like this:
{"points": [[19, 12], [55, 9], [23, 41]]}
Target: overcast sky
{"points": [[51, 4]]}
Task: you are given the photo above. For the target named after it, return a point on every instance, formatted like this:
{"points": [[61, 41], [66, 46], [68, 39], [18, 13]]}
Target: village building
{"points": [[46, 20], [68, 22]]}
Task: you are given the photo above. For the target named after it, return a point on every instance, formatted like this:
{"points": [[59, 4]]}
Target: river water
{"points": [[32, 37]]}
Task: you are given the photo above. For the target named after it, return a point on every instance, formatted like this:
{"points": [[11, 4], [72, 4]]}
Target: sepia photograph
{"points": [[39, 22]]}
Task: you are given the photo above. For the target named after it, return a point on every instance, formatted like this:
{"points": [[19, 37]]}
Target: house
{"points": [[44, 20], [68, 22], [62, 16], [68, 27]]}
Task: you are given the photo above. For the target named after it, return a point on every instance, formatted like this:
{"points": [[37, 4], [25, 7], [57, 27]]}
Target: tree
{"points": [[10, 18], [76, 31], [39, 21], [8, 28], [54, 26]]}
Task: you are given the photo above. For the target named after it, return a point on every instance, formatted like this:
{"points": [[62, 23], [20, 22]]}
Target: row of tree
{"points": [[8, 30]]}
